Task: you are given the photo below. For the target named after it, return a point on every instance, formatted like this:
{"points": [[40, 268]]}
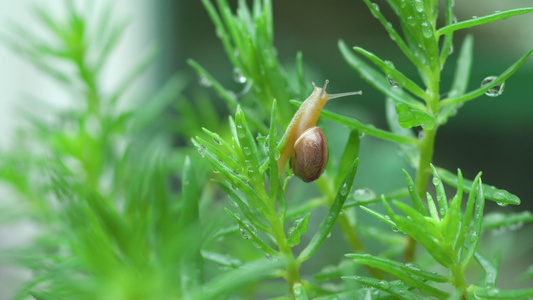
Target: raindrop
{"points": [[493, 292], [451, 50], [474, 17], [361, 135], [435, 181], [252, 229], [413, 266], [271, 258], [238, 76], [427, 30], [364, 194], [217, 141], [232, 202], [215, 170], [244, 234], [384, 284], [247, 151], [391, 80], [403, 3], [344, 189], [203, 81], [201, 152], [494, 91], [376, 6], [394, 229], [419, 5], [411, 21]]}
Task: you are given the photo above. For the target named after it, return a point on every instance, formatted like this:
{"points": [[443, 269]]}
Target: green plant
{"points": [[127, 215]]}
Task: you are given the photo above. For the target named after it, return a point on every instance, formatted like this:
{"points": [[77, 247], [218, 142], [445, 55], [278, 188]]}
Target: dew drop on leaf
{"points": [[502, 203], [201, 152], [232, 202], [364, 194], [217, 141], [344, 189], [376, 6], [271, 258], [203, 81], [494, 91], [238, 76], [244, 234], [427, 30], [435, 181], [413, 266], [384, 284], [394, 229]]}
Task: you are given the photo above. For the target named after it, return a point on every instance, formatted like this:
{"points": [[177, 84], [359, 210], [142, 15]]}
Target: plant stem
{"points": [[426, 146]]}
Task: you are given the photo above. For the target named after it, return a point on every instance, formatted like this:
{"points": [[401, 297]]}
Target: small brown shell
{"points": [[311, 155]]}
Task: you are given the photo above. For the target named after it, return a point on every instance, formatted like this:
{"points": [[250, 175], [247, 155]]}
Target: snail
{"points": [[305, 144]]}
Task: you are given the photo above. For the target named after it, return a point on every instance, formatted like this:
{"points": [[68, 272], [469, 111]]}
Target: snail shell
{"points": [[311, 155]]}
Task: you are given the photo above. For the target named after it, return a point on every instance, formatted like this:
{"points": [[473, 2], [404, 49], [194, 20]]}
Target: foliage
{"points": [[127, 215]]}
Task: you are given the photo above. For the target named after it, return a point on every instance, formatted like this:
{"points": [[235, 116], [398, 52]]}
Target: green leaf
{"points": [[452, 220], [480, 91], [249, 149], [228, 282], [477, 226], [331, 217], [298, 229], [447, 45], [429, 242], [381, 217], [409, 118], [222, 259], [398, 269], [377, 79], [501, 196], [366, 129], [351, 151], [425, 222], [465, 224], [399, 291], [392, 195], [495, 293], [410, 152], [393, 73], [418, 204], [495, 220], [432, 208], [491, 272], [483, 20], [393, 34], [442, 200], [249, 232], [460, 78]]}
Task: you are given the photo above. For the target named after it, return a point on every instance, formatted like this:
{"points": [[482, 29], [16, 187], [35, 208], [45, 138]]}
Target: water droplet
{"points": [[364, 194], [271, 258], [403, 3], [411, 188], [502, 203], [411, 21], [394, 229], [413, 266], [203, 81], [232, 202], [247, 151], [236, 53], [376, 6], [215, 170], [392, 82], [442, 211], [419, 5], [238, 76], [451, 50], [427, 30], [252, 229], [244, 234], [344, 189], [217, 141], [384, 284], [474, 17], [361, 135], [494, 91], [436, 181], [201, 152]]}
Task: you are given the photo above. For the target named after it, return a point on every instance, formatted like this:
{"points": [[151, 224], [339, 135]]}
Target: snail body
{"points": [[304, 143]]}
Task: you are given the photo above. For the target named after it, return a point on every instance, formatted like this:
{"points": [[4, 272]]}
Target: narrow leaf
{"points": [[299, 292], [477, 226], [480, 91], [497, 220], [381, 217], [418, 204], [410, 152], [299, 228], [399, 291], [409, 118], [442, 200], [491, 272], [495, 293], [249, 232], [401, 270], [376, 79], [483, 20], [395, 75], [331, 217], [492, 193]]}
